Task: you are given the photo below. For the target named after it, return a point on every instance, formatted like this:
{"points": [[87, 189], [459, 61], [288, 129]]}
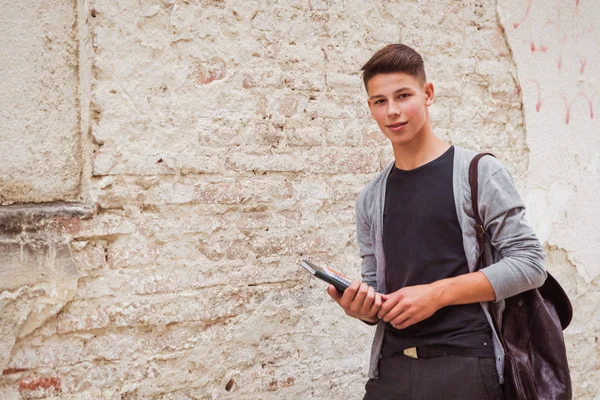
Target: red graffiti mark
{"points": [[583, 63], [586, 97], [543, 34], [538, 105], [532, 46], [568, 108], [576, 5], [590, 101], [560, 62], [562, 49], [516, 24]]}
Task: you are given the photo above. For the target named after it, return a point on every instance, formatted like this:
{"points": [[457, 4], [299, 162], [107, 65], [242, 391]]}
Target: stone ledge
{"points": [[15, 219]]}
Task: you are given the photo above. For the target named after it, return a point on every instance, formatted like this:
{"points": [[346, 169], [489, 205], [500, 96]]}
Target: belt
{"points": [[443, 351]]}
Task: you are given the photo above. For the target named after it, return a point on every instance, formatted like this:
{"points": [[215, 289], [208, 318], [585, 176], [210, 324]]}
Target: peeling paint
{"points": [[562, 184]]}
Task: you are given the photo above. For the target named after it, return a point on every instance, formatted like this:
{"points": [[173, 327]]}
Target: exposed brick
{"points": [[39, 387], [242, 190], [104, 225], [203, 305], [327, 161], [48, 351], [71, 320], [89, 256], [288, 106], [214, 70]]}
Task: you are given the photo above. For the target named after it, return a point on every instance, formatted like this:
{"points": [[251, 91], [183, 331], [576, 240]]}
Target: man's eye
{"points": [[403, 96], [380, 102]]}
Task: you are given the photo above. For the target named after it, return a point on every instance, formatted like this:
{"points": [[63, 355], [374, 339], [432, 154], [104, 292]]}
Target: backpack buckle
{"points": [[480, 231]]}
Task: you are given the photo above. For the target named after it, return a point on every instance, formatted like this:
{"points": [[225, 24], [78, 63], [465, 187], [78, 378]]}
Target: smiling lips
{"points": [[397, 127]]}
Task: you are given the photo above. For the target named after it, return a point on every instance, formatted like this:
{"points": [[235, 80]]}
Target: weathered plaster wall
{"points": [[556, 47], [229, 139], [40, 115]]}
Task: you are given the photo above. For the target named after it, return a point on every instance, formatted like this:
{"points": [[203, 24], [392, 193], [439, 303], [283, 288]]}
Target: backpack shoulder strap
{"points": [[551, 290], [479, 225]]}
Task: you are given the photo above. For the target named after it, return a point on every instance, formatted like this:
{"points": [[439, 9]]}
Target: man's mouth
{"points": [[397, 127]]}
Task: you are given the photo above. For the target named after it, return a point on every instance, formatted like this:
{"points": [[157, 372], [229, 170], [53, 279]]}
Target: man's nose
{"points": [[393, 109]]}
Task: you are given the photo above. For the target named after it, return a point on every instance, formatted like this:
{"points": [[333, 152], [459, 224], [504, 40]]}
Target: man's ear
{"points": [[429, 93]]}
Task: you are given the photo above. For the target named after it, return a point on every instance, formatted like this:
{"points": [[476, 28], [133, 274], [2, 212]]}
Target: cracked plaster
{"points": [[556, 48]]}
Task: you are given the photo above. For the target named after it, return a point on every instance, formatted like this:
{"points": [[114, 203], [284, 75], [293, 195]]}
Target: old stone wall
{"points": [[556, 47], [221, 141]]}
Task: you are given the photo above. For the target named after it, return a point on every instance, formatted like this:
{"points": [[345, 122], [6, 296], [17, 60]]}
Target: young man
{"points": [[415, 229]]}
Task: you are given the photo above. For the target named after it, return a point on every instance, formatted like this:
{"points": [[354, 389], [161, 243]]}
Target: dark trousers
{"points": [[435, 378]]}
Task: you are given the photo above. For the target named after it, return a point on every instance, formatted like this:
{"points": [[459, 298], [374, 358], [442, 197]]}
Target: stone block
{"points": [[40, 135]]}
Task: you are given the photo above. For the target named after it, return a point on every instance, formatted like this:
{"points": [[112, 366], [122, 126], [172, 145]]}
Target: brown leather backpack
{"points": [[535, 361]]}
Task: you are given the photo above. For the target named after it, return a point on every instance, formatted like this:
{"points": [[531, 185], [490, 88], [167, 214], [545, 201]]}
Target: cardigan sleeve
{"points": [[365, 242], [521, 255]]}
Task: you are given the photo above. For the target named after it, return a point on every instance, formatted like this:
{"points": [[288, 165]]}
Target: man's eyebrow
{"points": [[397, 91]]}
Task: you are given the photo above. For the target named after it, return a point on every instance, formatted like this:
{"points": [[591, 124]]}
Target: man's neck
{"points": [[419, 152]]}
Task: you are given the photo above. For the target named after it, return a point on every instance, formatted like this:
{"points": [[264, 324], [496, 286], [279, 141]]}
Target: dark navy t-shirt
{"points": [[423, 243]]}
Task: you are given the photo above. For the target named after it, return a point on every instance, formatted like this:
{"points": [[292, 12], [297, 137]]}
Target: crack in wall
{"points": [[515, 77]]}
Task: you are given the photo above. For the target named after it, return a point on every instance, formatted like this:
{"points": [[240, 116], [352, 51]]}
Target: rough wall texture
{"points": [[556, 46], [230, 138], [39, 104]]}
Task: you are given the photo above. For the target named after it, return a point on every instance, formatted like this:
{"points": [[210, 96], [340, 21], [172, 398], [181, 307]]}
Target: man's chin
{"points": [[399, 137]]}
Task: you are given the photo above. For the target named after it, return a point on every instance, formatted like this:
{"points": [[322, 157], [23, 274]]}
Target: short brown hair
{"points": [[394, 58]]}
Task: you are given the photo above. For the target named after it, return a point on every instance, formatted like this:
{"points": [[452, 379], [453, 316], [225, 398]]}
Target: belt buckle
{"points": [[411, 352]]}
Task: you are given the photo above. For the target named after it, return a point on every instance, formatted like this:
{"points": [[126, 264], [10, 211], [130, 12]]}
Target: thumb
{"points": [[384, 297], [334, 293]]}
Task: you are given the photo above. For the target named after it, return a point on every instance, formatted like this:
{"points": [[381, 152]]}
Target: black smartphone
{"points": [[339, 281]]}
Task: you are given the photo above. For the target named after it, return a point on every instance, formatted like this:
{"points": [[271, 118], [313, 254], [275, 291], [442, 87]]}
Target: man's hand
{"points": [[359, 300], [413, 304], [409, 305]]}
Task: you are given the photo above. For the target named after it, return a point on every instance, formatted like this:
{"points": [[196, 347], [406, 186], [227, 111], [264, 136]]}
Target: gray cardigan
{"points": [[517, 253]]}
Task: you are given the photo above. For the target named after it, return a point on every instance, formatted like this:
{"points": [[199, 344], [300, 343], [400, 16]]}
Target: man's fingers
{"points": [[399, 319], [334, 293], [361, 295], [401, 322], [393, 313], [359, 300], [349, 294], [368, 301], [387, 305], [378, 301], [376, 305]]}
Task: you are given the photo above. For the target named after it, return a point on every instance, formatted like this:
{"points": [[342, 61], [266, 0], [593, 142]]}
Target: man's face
{"points": [[398, 103]]}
